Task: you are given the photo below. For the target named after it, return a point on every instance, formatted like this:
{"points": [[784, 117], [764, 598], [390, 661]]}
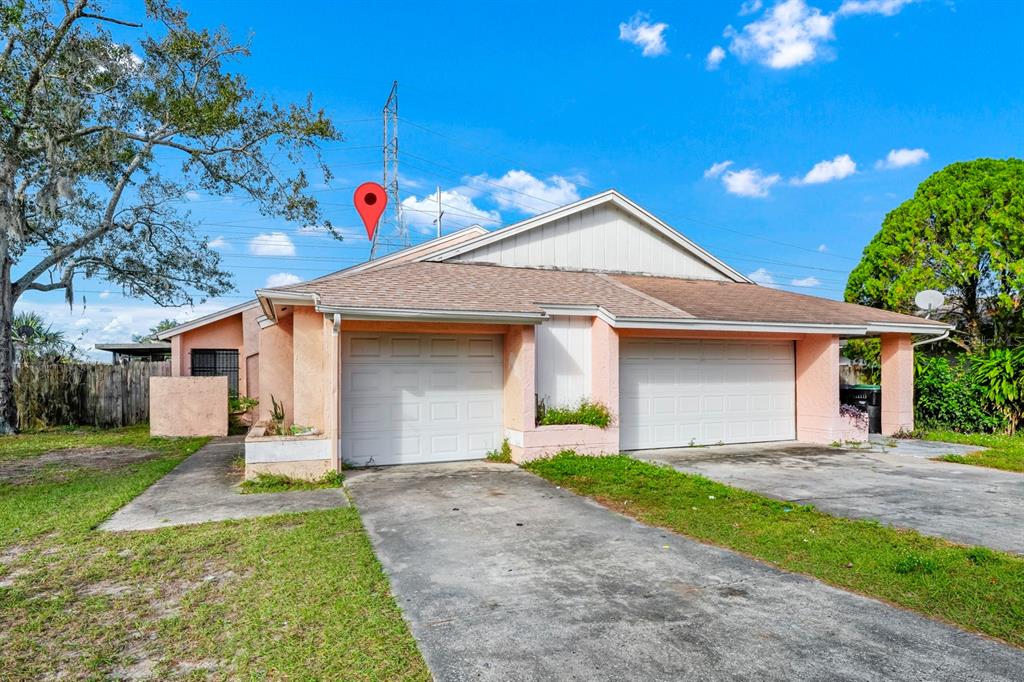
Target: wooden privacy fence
{"points": [[53, 394]]}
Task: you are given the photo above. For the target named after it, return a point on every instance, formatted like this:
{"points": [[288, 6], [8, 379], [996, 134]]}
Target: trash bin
{"points": [[867, 397]]}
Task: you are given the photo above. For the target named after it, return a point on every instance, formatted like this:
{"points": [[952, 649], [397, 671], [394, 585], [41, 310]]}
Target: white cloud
{"points": [[886, 8], [822, 248], [459, 211], [749, 7], [272, 244], [763, 277], [838, 168], [901, 158], [104, 294], [282, 279], [788, 35], [717, 169], [518, 190], [806, 282], [192, 195], [642, 33], [749, 182], [219, 244], [714, 58]]}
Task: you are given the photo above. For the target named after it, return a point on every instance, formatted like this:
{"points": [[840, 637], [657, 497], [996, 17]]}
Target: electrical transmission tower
{"points": [[391, 226]]}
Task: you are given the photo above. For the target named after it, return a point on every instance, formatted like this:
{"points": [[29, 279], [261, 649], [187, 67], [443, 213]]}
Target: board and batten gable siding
{"points": [[563, 360], [602, 238]]}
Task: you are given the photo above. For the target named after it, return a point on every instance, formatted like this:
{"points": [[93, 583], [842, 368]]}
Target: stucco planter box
{"points": [[306, 456], [544, 441]]}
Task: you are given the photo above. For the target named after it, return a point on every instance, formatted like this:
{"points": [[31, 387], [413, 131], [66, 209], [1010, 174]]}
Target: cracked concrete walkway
{"points": [[203, 488], [502, 576], [963, 503]]}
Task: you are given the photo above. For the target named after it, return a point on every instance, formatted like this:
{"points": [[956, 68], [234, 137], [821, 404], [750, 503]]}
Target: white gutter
{"points": [[364, 313], [925, 342]]}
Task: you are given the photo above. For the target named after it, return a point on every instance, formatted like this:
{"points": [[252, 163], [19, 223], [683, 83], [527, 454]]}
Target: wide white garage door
{"points": [[675, 392], [408, 398]]}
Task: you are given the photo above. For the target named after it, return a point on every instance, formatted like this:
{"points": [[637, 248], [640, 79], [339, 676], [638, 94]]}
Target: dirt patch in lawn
{"points": [[73, 459]]}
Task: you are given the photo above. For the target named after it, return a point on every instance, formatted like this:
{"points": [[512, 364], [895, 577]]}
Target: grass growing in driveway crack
{"points": [[1005, 452], [298, 596], [974, 587]]}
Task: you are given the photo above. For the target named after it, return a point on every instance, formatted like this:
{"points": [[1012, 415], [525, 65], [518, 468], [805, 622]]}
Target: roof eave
{"points": [[205, 320]]}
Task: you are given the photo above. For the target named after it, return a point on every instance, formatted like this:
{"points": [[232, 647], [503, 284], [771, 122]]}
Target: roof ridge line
{"points": [[652, 299]]}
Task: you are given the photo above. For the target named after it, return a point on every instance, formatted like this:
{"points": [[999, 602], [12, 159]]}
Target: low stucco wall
{"points": [[188, 406], [544, 441]]}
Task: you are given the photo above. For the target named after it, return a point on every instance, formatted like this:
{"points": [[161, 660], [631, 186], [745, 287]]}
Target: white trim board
{"points": [[206, 319]]}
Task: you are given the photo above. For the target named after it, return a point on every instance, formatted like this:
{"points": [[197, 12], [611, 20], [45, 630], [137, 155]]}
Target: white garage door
{"points": [[408, 398], [677, 392]]}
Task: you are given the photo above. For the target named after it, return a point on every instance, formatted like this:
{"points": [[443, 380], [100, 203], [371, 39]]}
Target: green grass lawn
{"points": [[286, 597], [976, 588], [1006, 452]]}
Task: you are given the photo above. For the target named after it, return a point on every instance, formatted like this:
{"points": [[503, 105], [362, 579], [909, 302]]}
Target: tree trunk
{"points": [[8, 408]]}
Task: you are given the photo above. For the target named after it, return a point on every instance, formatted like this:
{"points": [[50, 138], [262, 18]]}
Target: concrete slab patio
{"points": [[966, 504], [203, 488], [502, 576]]}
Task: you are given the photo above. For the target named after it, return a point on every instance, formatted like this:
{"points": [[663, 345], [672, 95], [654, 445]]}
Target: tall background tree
{"points": [[961, 233], [150, 336], [100, 141]]}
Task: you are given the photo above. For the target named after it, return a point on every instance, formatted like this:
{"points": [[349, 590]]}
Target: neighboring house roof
{"points": [[429, 289], [141, 349], [672, 240], [206, 319]]}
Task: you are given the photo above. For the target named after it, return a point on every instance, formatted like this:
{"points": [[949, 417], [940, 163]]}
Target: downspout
{"points": [[334, 369], [940, 337]]}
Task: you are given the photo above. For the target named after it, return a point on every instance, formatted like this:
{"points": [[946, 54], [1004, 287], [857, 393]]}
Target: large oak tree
{"points": [[100, 142], [961, 233]]}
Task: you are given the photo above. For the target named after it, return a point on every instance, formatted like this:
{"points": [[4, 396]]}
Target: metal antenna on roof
{"points": [[394, 226], [439, 212]]}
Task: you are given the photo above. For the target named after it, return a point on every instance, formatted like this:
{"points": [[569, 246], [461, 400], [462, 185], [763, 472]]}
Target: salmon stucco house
{"points": [[441, 351]]}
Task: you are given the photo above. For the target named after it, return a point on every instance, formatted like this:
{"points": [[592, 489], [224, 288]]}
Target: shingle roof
{"points": [[462, 287], [733, 301], [483, 288]]}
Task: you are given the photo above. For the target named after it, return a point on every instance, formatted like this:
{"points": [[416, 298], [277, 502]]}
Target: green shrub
{"points": [[999, 374], [947, 396], [587, 412]]}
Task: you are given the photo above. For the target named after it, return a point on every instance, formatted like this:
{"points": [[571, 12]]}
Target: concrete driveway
{"points": [[502, 576], [962, 503]]}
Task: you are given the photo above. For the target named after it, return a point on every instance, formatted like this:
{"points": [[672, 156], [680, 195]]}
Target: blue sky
{"points": [[775, 135]]}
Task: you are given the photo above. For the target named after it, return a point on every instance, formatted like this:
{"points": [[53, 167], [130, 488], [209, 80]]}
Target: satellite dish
{"points": [[929, 300]]}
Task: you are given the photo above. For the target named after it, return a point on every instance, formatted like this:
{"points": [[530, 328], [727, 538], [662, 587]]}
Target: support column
{"points": [[308, 361], [332, 391], [177, 361], [519, 399], [604, 375], [276, 367], [897, 384], [817, 389]]}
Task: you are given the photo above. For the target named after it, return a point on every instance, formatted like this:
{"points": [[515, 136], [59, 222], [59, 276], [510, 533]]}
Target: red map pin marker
{"points": [[370, 200]]}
